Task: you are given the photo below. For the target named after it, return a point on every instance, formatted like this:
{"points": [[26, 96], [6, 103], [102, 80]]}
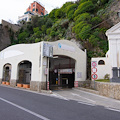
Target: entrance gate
{"points": [[61, 74]]}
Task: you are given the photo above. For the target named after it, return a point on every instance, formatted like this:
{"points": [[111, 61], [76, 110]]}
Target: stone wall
{"points": [[13, 83], [84, 84], [111, 90], [35, 86]]}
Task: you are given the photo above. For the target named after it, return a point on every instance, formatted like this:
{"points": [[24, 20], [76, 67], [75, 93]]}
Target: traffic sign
{"points": [[94, 76], [94, 63], [94, 70]]}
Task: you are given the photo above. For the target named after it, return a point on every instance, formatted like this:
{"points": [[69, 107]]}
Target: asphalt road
{"points": [[17, 104]]}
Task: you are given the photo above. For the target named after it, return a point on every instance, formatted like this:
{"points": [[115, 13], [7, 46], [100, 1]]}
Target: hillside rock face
{"points": [[4, 38], [113, 11], [4, 33]]}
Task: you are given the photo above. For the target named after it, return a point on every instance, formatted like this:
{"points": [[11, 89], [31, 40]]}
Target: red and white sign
{"points": [[94, 70], [55, 71], [94, 64], [46, 71], [94, 76], [76, 84], [47, 85]]}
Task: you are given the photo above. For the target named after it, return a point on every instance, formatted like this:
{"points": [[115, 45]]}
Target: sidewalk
{"points": [[88, 96]]}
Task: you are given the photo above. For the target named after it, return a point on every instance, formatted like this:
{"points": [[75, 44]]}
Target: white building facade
{"points": [[112, 59], [27, 64]]}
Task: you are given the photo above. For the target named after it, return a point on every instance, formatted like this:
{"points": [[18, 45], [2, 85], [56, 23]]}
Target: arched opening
{"points": [[7, 72], [61, 72], [101, 62], [24, 72]]}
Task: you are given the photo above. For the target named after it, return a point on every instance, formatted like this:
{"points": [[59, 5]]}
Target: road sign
{"points": [[94, 63], [94, 70], [47, 50], [46, 71], [94, 76]]}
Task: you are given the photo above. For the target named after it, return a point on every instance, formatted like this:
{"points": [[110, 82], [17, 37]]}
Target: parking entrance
{"points": [[61, 72]]}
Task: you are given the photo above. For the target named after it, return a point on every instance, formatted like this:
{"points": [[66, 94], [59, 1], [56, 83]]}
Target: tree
{"points": [[49, 23], [52, 13], [22, 37], [59, 13]]}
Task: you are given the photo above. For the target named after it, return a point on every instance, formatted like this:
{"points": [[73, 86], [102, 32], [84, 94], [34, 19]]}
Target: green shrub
{"points": [[71, 7], [93, 40], [96, 20], [70, 14], [107, 76], [85, 32], [83, 17], [87, 6]]}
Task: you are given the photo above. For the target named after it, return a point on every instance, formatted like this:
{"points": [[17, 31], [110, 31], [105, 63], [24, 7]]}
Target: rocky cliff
{"points": [[5, 34]]}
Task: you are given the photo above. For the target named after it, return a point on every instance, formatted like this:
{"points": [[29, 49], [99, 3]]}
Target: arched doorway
{"points": [[24, 72], [7, 72], [61, 72]]}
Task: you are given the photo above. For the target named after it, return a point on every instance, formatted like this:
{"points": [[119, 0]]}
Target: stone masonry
{"points": [[111, 90]]}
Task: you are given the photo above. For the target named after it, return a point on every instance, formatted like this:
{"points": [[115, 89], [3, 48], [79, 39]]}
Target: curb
{"points": [[88, 90]]}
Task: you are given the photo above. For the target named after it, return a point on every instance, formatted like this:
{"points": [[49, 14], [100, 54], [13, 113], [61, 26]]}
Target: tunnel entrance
{"points": [[61, 72]]}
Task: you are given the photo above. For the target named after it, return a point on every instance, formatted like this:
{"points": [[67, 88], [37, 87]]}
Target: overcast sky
{"points": [[11, 9]]}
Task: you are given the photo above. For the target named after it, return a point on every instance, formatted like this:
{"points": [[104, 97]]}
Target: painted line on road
{"points": [[22, 108], [85, 103], [59, 96], [112, 109], [83, 97]]}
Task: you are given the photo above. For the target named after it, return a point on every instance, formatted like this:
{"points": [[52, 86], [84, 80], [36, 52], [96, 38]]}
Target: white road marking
{"points": [[59, 96], [112, 109], [22, 108], [83, 97], [85, 103]]}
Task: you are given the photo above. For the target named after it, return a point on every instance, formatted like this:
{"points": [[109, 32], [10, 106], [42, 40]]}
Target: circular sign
{"points": [[94, 64], [94, 70], [94, 76], [55, 71]]}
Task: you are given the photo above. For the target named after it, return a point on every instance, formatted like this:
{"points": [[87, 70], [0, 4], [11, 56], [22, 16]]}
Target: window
{"points": [[33, 5], [36, 10], [42, 9], [33, 10], [101, 62]]}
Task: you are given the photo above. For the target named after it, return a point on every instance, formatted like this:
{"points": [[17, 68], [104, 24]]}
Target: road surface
{"points": [[17, 104]]}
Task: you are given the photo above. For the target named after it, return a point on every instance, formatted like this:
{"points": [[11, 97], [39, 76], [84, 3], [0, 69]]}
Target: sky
{"points": [[11, 9]]}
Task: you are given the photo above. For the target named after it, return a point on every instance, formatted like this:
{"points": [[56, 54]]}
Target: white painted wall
{"points": [[102, 70], [33, 53], [30, 52]]}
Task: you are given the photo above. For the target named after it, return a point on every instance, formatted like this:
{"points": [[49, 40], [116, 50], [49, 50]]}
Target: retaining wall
{"points": [[111, 90]]}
